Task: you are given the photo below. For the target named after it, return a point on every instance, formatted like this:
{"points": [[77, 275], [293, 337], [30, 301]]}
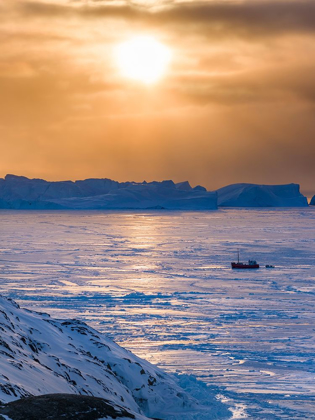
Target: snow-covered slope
{"points": [[253, 195], [40, 355], [22, 193]]}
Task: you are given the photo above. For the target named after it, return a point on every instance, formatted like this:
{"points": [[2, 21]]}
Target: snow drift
{"points": [[17, 192], [253, 195], [40, 355]]}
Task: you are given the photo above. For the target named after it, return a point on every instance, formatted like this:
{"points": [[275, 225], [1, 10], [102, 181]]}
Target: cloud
{"points": [[285, 83], [256, 18], [241, 84]]}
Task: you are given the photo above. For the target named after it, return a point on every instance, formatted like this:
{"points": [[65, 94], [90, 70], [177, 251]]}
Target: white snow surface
{"points": [[41, 355], [18, 192], [253, 195]]}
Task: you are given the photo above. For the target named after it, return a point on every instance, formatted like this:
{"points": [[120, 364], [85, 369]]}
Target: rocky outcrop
{"points": [[66, 407]]}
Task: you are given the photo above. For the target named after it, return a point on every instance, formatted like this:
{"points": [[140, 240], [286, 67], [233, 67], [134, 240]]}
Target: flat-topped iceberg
{"points": [[253, 195], [17, 192]]}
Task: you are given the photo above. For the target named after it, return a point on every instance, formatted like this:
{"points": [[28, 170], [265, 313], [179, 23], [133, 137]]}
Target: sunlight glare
{"points": [[143, 58]]}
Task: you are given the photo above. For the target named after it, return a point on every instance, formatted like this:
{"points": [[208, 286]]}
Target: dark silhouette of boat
{"points": [[240, 265]]}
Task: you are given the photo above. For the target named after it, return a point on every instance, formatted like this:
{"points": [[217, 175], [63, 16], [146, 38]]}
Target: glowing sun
{"points": [[143, 58]]}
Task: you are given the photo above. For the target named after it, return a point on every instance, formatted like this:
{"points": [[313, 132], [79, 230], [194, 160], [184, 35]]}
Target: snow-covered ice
{"points": [[160, 284]]}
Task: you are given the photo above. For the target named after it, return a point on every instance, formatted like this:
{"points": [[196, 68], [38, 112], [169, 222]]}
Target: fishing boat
{"points": [[240, 265]]}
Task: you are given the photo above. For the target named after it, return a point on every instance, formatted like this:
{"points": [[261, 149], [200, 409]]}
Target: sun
{"points": [[143, 58]]}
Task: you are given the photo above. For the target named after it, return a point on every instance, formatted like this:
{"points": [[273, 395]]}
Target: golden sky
{"points": [[236, 103]]}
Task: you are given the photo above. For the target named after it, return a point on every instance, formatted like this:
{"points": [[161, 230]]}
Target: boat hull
{"points": [[244, 266]]}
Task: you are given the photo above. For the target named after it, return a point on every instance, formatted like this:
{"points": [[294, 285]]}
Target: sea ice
{"points": [[160, 284]]}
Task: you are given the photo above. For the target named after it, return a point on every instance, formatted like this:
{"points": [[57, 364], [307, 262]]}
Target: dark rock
{"points": [[63, 406]]}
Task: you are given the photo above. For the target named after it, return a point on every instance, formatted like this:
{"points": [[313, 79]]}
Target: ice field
{"points": [[160, 284]]}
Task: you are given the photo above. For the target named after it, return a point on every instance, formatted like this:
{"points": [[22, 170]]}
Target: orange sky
{"points": [[237, 103]]}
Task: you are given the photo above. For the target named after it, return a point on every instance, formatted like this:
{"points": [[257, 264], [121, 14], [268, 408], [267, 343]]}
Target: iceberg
{"points": [[312, 203], [254, 195], [18, 192]]}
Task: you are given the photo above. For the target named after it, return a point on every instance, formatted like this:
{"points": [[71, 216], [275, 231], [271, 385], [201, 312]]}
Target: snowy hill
{"points": [[19, 192], [40, 355], [253, 195]]}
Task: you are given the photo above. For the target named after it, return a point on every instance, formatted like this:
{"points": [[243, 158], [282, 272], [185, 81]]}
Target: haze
{"points": [[236, 104]]}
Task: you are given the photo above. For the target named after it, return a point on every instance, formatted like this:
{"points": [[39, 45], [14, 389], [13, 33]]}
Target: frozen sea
{"points": [[160, 284]]}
